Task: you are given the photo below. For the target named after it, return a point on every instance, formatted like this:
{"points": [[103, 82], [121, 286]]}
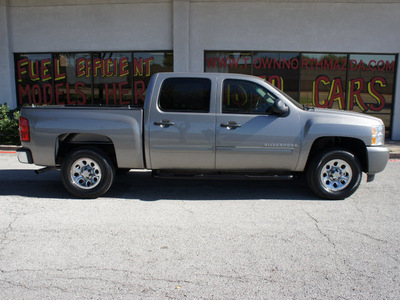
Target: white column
{"points": [[181, 35], [7, 80]]}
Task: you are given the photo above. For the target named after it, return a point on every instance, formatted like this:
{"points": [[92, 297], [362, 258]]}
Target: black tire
{"points": [[87, 173], [334, 174]]}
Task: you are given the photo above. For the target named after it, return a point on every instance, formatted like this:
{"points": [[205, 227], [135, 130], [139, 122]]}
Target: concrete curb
{"points": [[394, 148], [394, 155], [9, 148]]}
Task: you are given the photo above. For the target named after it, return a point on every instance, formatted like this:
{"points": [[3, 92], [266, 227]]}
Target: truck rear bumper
{"points": [[24, 156], [377, 159]]}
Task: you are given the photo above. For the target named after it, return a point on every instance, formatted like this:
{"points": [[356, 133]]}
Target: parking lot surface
{"points": [[156, 239]]}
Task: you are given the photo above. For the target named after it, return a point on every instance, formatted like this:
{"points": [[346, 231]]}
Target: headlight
{"points": [[378, 135]]}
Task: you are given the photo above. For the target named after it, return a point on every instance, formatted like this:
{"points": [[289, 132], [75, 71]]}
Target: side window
{"points": [[246, 97], [185, 95]]}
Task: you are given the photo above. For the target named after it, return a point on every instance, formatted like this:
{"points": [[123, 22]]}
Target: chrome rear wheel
{"points": [[87, 172]]}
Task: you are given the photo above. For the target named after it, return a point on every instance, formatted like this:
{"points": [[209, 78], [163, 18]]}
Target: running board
{"points": [[223, 176]]}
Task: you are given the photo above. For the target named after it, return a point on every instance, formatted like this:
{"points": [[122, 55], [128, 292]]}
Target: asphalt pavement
{"points": [[174, 239]]}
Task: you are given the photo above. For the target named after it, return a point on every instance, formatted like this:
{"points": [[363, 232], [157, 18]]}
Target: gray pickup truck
{"points": [[202, 126]]}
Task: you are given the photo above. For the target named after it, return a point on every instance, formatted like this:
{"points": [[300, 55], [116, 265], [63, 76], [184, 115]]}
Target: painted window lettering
{"points": [[105, 78], [355, 90]]}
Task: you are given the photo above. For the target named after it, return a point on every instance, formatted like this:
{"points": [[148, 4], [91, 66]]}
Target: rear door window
{"points": [[185, 95]]}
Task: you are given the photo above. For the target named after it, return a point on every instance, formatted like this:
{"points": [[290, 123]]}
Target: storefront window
{"points": [[100, 78], [354, 82]]}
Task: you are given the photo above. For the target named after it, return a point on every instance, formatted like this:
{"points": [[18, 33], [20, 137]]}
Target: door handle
{"points": [[164, 123], [231, 125]]}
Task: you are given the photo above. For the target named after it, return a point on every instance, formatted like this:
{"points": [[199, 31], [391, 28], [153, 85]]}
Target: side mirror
{"points": [[280, 108]]}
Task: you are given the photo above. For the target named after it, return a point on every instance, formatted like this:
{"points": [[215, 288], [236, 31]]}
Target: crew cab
{"points": [[205, 125]]}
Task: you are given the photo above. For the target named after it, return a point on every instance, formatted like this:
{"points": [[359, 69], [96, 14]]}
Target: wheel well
{"points": [[354, 146], [73, 141]]}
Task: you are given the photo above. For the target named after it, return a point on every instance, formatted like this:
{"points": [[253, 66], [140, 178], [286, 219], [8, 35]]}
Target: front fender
{"points": [[318, 129]]}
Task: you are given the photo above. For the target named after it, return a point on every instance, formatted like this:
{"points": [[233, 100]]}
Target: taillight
{"points": [[24, 130]]}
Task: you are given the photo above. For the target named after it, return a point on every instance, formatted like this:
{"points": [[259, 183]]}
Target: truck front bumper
{"points": [[24, 156], [378, 158]]}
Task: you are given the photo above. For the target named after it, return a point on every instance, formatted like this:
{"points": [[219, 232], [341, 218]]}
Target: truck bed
{"points": [[119, 127]]}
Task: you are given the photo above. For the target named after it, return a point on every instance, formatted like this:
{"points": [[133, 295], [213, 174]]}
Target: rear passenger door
{"points": [[182, 125]]}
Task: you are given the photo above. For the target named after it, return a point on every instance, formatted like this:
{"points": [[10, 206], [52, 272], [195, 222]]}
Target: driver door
{"points": [[249, 135]]}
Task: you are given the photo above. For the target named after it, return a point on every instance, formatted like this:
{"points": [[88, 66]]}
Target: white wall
{"points": [[88, 27], [288, 26]]}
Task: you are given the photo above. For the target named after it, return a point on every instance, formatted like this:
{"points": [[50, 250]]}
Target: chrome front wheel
{"points": [[334, 174]]}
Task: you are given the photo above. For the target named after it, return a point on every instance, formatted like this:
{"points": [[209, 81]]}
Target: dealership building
{"points": [[334, 54]]}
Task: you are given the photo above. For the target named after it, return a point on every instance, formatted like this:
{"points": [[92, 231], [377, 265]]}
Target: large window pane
{"points": [[145, 64], [323, 80], [280, 69], [112, 73], [34, 77], [72, 84], [371, 80]]}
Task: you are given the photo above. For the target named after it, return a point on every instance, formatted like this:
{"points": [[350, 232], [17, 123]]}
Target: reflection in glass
{"points": [[34, 77], [280, 69], [101, 78], [145, 64], [112, 73], [228, 62], [73, 84], [371, 83], [323, 80]]}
